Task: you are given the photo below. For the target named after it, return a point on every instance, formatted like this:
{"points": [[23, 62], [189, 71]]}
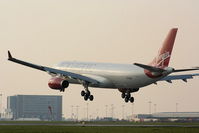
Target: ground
{"points": [[99, 127]]}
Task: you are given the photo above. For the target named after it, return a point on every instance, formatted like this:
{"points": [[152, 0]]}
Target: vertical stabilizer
{"points": [[164, 54]]}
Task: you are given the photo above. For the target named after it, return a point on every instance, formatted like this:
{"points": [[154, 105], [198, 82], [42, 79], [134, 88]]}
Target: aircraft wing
{"points": [[178, 77], [54, 71]]}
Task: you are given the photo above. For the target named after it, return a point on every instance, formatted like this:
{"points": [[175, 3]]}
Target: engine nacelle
{"points": [[58, 83]]}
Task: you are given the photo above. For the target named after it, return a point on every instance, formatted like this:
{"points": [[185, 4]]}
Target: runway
{"points": [[97, 125]]}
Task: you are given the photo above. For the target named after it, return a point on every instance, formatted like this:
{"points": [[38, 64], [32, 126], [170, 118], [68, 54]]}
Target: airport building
{"points": [[168, 116], [41, 107]]}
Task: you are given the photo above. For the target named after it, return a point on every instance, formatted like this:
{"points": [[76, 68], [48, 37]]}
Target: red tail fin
{"points": [[164, 54]]}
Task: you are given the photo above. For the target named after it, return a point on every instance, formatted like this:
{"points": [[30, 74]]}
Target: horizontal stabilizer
{"points": [[150, 68]]}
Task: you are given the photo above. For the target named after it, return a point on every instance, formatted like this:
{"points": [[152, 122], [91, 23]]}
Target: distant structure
{"points": [[169, 116], [41, 107]]}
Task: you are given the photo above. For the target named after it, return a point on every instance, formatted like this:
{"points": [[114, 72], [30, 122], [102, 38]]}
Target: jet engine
{"points": [[58, 83]]}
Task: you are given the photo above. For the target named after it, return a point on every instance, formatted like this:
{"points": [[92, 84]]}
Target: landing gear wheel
{"points": [[126, 99], [123, 95], [83, 93], [131, 99], [85, 97], [91, 97]]}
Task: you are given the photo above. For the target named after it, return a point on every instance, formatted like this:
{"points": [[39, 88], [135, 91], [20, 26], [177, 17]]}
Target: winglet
{"points": [[9, 55]]}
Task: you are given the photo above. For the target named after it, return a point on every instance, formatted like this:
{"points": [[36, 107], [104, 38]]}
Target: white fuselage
{"points": [[109, 75]]}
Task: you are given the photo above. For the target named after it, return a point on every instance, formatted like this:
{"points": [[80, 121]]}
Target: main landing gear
{"points": [[127, 97], [86, 94], [126, 94]]}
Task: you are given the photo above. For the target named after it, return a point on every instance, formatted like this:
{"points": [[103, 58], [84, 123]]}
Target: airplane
{"points": [[127, 78]]}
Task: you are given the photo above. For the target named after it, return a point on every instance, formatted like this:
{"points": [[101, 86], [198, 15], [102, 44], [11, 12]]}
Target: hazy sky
{"points": [[122, 31]]}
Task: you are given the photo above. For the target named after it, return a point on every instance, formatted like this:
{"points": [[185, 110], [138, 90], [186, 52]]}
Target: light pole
{"points": [[87, 110], [77, 107], [106, 106], [150, 107], [155, 105], [97, 113], [176, 107], [1, 103], [112, 110], [132, 110], [123, 111], [72, 112]]}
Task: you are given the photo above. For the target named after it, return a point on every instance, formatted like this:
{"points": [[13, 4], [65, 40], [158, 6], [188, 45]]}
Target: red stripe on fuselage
{"points": [[151, 75]]}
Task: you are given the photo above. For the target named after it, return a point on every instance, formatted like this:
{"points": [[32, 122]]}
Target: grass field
{"points": [[105, 122], [73, 129], [58, 127]]}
